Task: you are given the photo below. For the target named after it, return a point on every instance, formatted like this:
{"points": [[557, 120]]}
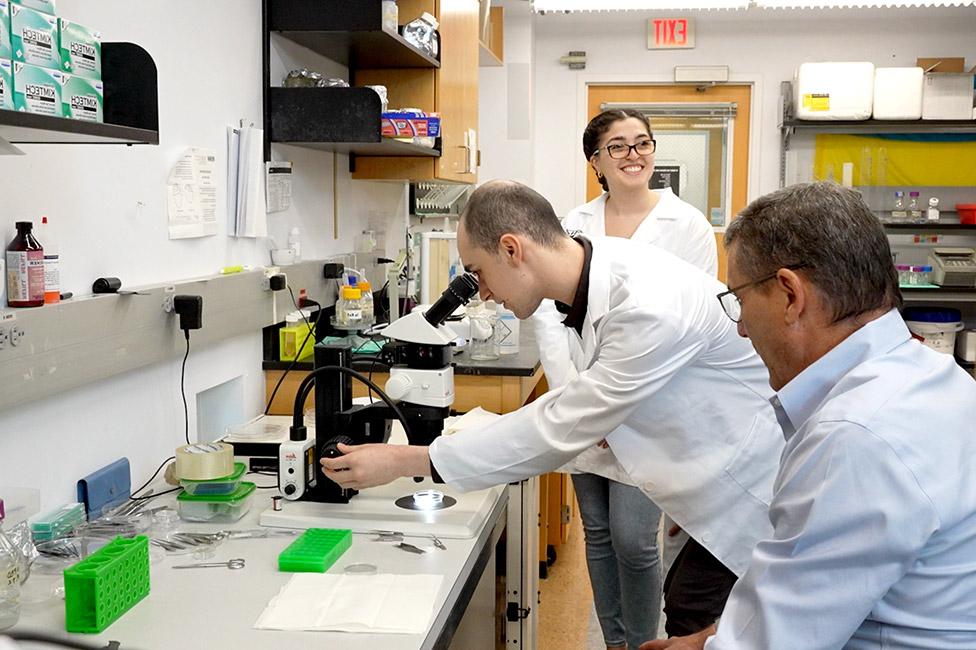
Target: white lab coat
{"points": [[674, 225], [665, 378]]}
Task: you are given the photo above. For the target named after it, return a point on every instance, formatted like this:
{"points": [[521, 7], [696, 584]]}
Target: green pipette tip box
{"points": [[315, 551]]}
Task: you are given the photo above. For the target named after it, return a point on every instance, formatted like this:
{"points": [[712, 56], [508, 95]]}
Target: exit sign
{"points": [[670, 33]]}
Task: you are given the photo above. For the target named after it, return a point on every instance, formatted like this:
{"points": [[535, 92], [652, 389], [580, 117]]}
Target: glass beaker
{"points": [[485, 342]]}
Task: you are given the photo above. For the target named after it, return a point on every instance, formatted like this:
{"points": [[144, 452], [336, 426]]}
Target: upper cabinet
{"points": [[348, 119], [491, 37], [450, 90]]}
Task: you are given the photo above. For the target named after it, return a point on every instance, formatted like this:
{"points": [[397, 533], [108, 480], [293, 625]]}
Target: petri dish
{"points": [[360, 569]]}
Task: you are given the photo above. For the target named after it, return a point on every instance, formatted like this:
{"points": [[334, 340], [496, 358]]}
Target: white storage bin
{"points": [[947, 96], [834, 91], [898, 93]]}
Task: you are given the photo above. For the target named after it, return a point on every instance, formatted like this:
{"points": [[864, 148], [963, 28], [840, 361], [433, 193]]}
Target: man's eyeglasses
{"points": [[732, 305], [618, 150]]}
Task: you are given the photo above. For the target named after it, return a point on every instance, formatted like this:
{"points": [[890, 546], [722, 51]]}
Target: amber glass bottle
{"points": [[25, 269]]}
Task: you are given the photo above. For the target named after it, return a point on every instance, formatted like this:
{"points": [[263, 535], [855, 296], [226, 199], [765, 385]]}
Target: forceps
{"points": [[236, 563]]}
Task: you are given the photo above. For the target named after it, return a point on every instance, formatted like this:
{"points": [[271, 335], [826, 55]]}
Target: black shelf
{"points": [[349, 33], [346, 120], [130, 107]]}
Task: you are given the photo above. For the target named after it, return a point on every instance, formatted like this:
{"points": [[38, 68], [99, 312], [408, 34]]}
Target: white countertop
{"points": [[215, 608]]}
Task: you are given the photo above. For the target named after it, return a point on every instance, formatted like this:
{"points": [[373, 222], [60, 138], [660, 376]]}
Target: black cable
{"points": [[306, 386], [311, 329], [151, 478], [37, 637], [157, 494], [186, 410]]}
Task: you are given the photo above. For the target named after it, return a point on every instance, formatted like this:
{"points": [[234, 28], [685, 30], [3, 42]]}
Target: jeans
{"points": [[621, 525]]}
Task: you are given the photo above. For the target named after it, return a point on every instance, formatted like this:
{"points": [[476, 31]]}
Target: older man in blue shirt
{"points": [[874, 509]]}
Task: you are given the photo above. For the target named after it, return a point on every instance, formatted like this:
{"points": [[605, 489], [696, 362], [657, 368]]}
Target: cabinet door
{"points": [[451, 90], [457, 90]]}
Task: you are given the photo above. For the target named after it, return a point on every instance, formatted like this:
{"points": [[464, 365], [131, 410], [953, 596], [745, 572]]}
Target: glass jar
{"points": [[485, 344], [923, 275], [11, 576], [904, 274]]}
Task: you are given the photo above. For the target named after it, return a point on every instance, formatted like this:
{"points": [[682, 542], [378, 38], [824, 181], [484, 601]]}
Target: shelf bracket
{"points": [[7, 149]]}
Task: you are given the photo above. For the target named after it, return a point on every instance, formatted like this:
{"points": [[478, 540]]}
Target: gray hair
{"points": [[500, 207], [829, 230]]}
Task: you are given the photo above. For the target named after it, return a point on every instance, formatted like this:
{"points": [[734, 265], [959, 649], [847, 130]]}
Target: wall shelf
{"points": [[130, 107], [349, 33], [789, 125], [942, 294], [346, 120], [910, 228]]}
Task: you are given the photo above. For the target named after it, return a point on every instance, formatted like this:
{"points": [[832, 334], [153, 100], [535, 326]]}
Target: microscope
{"points": [[419, 394]]}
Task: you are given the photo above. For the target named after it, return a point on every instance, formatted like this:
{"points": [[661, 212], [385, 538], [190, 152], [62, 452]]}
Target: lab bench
{"points": [[540, 508], [218, 607]]}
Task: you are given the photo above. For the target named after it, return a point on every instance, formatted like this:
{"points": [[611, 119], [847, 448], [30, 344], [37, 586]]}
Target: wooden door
{"points": [[674, 94]]}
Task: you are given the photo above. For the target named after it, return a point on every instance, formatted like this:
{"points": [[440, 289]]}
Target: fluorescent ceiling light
{"points": [[859, 4], [635, 5]]}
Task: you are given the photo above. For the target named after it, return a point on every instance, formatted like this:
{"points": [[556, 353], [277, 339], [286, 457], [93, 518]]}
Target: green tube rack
{"points": [[315, 551], [106, 584]]}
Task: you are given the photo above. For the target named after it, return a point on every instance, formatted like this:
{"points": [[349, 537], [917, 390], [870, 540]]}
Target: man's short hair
{"points": [[500, 207], [832, 232]]}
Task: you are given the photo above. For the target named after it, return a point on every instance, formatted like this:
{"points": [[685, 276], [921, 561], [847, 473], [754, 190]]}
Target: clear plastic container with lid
{"points": [[224, 508], [224, 485]]}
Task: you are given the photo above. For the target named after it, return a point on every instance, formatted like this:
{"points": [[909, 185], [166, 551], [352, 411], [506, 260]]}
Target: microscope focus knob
{"points": [[398, 386], [290, 489], [331, 448]]}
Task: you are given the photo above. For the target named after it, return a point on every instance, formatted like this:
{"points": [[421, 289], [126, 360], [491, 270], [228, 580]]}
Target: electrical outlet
{"points": [[4, 337], [168, 293], [16, 335]]}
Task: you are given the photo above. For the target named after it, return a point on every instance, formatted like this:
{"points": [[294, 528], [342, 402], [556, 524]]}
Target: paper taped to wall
{"points": [[191, 195]]}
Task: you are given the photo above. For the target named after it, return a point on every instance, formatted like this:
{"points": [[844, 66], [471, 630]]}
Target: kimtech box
{"points": [[82, 98], [37, 89], [6, 85], [34, 37], [5, 51], [47, 6], [81, 49]]}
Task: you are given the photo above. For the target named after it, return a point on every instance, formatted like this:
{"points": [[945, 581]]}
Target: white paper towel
{"points": [[388, 603]]}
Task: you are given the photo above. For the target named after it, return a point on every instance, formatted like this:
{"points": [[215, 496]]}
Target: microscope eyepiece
{"points": [[458, 292]]}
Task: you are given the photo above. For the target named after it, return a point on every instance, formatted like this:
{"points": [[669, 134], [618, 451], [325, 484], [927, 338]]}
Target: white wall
{"points": [[506, 112], [762, 45], [208, 56]]}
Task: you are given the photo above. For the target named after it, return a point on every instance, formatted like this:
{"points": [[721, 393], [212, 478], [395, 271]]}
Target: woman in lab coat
{"points": [[620, 522]]}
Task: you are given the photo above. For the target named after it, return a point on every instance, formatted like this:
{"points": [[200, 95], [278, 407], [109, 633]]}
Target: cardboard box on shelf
{"points": [[947, 93], [34, 37], [6, 85], [408, 125], [82, 98], [37, 89]]}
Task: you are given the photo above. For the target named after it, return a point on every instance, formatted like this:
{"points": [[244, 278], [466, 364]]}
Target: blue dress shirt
{"points": [[874, 506]]}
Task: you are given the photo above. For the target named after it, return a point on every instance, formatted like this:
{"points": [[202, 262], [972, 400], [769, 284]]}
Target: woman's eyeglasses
{"points": [[618, 150]]}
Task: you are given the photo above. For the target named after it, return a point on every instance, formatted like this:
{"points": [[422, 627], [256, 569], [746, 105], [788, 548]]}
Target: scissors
{"points": [[236, 563]]}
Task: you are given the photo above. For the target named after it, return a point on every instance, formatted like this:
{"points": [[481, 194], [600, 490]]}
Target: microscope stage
{"points": [[376, 509]]}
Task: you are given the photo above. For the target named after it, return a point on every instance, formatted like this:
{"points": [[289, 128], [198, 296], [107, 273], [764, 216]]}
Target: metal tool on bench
{"points": [[236, 563]]}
